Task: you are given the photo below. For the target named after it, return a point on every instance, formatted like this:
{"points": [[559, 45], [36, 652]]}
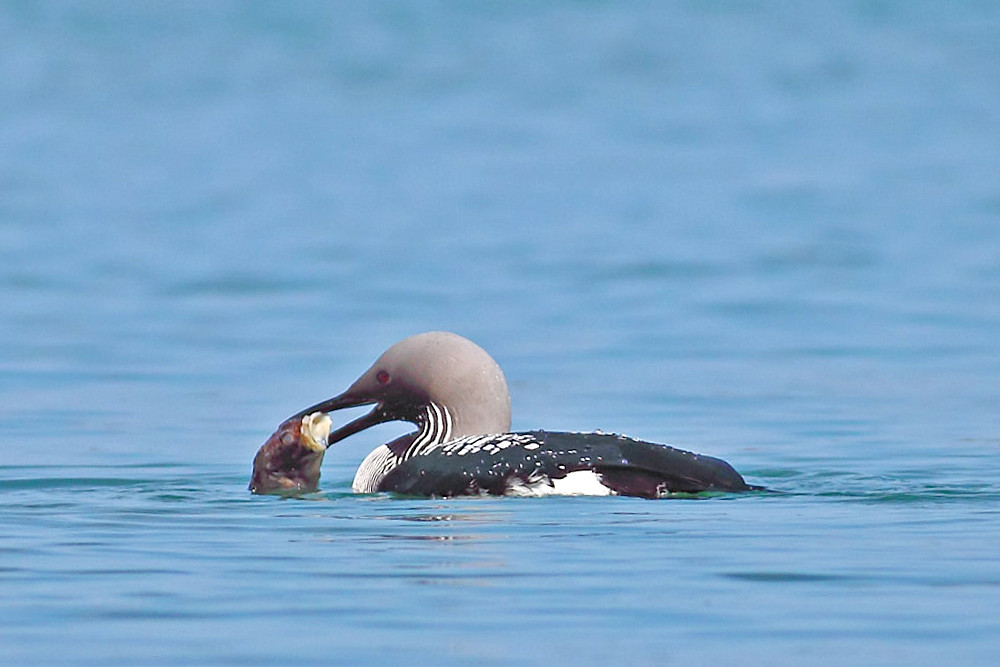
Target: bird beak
{"points": [[378, 414]]}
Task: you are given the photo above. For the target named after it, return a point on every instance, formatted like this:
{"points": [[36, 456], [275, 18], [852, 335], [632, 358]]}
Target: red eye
{"points": [[382, 377]]}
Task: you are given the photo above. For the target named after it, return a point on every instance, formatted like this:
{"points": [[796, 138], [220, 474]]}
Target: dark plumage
{"points": [[533, 460]]}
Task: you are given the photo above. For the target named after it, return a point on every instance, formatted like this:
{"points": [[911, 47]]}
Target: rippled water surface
{"points": [[765, 233]]}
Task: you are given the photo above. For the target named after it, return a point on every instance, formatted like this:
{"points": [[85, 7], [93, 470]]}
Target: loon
{"points": [[457, 397]]}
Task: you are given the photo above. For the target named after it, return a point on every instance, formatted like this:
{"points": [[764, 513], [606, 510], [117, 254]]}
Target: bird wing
{"points": [[638, 468], [488, 464]]}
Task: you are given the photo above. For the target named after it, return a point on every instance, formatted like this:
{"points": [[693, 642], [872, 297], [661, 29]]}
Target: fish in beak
{"points": [[384, 386], [289, 462]]}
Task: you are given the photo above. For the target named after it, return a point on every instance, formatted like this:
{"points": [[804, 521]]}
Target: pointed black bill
{"points": [[376, 416]]}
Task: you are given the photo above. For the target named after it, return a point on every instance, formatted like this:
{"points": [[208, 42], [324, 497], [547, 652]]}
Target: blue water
{"points": [[769, 232]]}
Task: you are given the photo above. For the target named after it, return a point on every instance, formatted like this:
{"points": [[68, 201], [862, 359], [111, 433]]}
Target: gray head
{"points": [[439, 381]]}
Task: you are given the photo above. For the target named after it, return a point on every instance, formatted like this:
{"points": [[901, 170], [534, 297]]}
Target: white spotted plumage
{"points": [[434, 436], [491, 444], [382, 460]]}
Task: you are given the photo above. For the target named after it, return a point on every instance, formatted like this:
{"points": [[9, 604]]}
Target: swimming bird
{"points": [[457, 397]]}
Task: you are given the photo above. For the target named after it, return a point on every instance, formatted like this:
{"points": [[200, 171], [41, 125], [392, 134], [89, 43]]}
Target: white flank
{"points": [[371, 471], [576, 483]]}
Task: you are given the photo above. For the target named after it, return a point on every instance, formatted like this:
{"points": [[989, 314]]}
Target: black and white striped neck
{"points": [[435, 426]]}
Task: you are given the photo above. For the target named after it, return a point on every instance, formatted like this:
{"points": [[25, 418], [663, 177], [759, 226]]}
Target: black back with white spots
{"points": [[496, 464]]}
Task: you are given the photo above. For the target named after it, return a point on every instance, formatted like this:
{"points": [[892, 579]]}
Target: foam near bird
{"points": [[457, 397]]}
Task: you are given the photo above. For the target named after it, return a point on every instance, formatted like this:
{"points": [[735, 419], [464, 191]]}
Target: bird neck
{"points": [[435, 425]]}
